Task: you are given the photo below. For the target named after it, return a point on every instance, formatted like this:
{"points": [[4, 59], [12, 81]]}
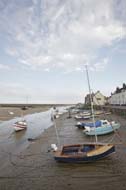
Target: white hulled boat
{"points": [[20, 125]]}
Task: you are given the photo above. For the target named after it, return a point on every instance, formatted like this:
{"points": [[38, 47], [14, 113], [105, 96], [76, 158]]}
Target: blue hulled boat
{"points": [[105, 128], [83, 153]]}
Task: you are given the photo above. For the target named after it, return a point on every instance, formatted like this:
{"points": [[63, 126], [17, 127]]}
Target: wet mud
{"points": [[35, 168]]}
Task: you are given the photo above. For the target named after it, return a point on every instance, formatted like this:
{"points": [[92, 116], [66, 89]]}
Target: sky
{"points": [[45, 45]]}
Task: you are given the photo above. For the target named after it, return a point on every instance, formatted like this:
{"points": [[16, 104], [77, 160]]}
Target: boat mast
{"points": [[57, 136], [92, 105]]}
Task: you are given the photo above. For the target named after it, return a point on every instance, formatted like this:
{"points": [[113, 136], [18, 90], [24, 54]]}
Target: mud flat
{"points": [[34, 168], [8, 112]]}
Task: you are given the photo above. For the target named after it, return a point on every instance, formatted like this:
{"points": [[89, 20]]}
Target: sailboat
{"points": [[104, 128], [85, 152]]}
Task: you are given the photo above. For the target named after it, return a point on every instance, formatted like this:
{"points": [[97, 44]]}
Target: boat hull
{"points": [[20, 125], [83, 118], [102, 130], [91, 157], [19, 128]]}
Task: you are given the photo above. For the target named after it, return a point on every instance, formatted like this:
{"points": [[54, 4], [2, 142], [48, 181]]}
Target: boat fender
{"points": [[54, 147], [112, 122]]}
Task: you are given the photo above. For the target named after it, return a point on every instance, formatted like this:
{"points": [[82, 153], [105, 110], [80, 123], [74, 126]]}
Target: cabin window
{"points": [[98, 98], [104, 123]]}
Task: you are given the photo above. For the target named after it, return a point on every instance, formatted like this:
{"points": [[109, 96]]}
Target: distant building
{"points": [[98, 98], [79, 105], [118, 97]]}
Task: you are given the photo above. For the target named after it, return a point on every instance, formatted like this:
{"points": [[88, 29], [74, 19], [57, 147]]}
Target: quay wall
{"points": [[118, 110]]}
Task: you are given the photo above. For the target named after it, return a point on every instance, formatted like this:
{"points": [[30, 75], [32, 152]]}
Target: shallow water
{"points": [[37, 123]]}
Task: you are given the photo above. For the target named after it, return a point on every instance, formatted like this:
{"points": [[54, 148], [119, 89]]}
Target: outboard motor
{"points": [[54, 147]]}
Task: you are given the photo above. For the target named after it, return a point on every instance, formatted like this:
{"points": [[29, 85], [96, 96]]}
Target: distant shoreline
{"points": [[8, 111], [30, 105]]}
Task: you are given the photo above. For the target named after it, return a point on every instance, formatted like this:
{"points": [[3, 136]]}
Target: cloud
{"points": [[14, 92], [101, 65], [47, 69], [11, 51], [61, 34], [4, 67], [19, 93]]}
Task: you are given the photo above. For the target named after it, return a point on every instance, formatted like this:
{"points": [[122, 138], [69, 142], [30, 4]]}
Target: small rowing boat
{"points": [[20, 125]]}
